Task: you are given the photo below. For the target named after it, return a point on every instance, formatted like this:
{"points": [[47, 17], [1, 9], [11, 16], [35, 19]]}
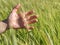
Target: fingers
{"points": [[32, 17], [29, 13], [32, 21], [31, 27], [16, 8]]}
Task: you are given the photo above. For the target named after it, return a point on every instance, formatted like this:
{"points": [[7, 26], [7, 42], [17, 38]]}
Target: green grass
{"points": [[46, 31]]}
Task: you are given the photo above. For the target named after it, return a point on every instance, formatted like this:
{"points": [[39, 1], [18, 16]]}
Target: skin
{"points": [[19, 20]]}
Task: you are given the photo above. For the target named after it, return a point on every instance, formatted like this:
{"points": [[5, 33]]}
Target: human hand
{"points": [[21, 20]]}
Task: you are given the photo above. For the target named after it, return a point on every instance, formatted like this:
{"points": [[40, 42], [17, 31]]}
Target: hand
{"points": [[21, 20]]}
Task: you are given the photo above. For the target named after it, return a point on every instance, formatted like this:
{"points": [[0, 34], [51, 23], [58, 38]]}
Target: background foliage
{"points": [[46, 31]]}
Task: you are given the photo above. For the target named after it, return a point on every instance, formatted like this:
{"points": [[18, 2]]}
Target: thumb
{"points": [[16, 8]]}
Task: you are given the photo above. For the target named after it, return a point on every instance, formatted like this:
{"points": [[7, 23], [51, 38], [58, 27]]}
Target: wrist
{"points": [[3, 26]]}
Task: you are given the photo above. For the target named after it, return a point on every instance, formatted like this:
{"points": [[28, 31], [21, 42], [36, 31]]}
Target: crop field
{"points": [[46, 31]]}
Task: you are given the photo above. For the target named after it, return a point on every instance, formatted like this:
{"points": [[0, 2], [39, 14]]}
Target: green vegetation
{"points": [[46, 31]]}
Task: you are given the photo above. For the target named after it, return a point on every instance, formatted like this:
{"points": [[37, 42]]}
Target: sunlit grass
{"points": [[46, 31]]}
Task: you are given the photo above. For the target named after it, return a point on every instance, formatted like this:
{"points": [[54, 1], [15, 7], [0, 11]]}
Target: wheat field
{"points": [[46, 31]]}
